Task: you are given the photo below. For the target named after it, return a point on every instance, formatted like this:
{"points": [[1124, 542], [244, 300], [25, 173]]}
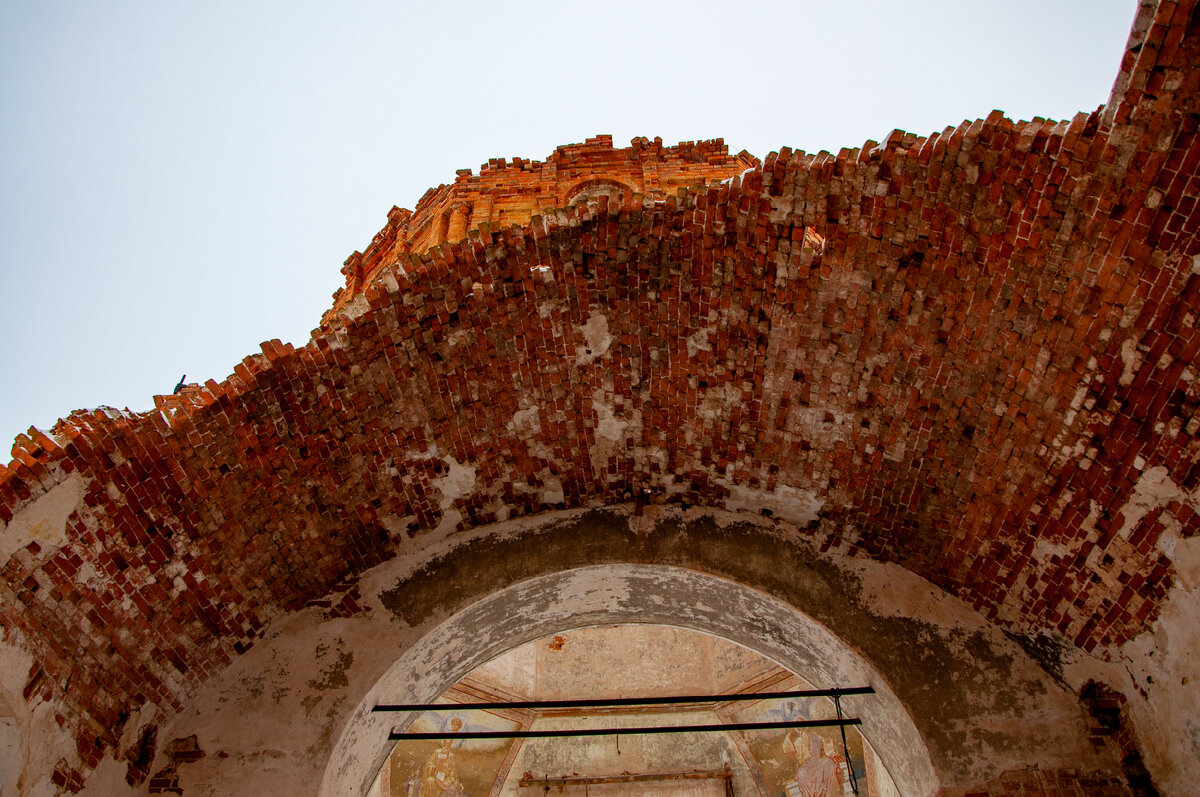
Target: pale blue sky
{"points": [[179, 182]]}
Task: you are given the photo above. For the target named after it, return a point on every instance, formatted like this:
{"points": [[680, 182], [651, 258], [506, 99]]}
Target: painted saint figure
{"points": [[817, 775], [439, 776]]}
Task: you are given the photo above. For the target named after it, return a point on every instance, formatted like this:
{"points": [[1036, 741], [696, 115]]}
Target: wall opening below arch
{"points": [[617, 594], [632, 661]]}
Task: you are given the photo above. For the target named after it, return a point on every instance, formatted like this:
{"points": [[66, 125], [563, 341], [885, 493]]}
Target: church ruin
{"points": [[920, 415]]}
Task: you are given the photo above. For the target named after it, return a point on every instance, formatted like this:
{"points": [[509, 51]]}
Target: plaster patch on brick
{"points": [[1164, 666], [801, 507], [608, 426], [398, 526], [1187, 563], [36, 720], [334, 663], [782, 207], [139, 720], [717, 402], [11, 756], [45, 520], [356, 307], [1132, 359], [458, 482], [823, 424], [1094, 513], [1043, 549], [1069, 419], [652, 459], [890, 590], [1153, 489], [526, 426], [553, 492], [595, 332], [698, 341], [524, 422]]}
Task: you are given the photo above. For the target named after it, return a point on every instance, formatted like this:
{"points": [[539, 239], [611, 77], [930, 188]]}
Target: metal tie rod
{"points": [[553, 734], [627, 701]]}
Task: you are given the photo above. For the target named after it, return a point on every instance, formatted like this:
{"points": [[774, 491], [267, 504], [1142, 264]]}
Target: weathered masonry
{"points": [[922, 413]]}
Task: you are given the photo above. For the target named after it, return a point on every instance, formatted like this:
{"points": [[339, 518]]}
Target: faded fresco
{"points": [[632, 661], [450, 767], [803, 762]]}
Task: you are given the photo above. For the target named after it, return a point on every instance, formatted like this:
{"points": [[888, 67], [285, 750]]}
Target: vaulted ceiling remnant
{"points": [[967, 360]]}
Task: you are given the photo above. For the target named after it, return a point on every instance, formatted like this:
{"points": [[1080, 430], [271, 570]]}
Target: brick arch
{"points": [[563, 365], [414, 624], [579, 187], [622, 594], [985, 377], [681, 368]]}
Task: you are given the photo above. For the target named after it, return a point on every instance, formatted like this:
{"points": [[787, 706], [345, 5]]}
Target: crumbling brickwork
{"points": [[973, 354], [507, 193]]}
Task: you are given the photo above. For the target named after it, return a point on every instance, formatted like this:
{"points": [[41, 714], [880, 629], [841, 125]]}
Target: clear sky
{"points": [[180, 181]]}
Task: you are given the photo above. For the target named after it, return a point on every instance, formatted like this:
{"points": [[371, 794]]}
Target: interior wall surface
{"points": [[958, 702]]}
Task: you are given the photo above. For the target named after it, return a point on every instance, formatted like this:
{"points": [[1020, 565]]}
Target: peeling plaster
{"points": [[801, 507], [963, 699], [608, 425], [1153, 489], [45, 520], [895, 591], [1132, 360], [595, 332], [40, 734], [1187, 563], [11, 756], [458, 482], [698, 341], [524, 422], [1163, 668], [398, 526]]}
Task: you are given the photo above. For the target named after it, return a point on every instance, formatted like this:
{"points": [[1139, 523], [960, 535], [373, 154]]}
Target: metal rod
{"points": [[837, 701], [723, 774], [626, 701], [552, 734]]}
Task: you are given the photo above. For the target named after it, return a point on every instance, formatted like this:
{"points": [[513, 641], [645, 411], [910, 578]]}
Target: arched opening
{"points": [[625, 662], [598, 187], [597, 595]]}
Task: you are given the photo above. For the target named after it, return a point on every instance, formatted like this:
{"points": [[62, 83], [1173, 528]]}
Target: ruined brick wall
{"points": [[508, 193], [987, 374]]}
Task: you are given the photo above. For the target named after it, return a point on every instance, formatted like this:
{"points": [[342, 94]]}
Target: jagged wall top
{"points": [[506, 192]]}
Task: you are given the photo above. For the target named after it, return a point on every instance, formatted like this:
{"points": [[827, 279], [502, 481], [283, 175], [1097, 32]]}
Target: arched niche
{"points": [[614, 594], [584, 190]]}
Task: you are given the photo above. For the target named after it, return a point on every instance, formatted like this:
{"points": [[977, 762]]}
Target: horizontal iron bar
{"points": [[627, 701], [723, 774], [553, 734]]}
